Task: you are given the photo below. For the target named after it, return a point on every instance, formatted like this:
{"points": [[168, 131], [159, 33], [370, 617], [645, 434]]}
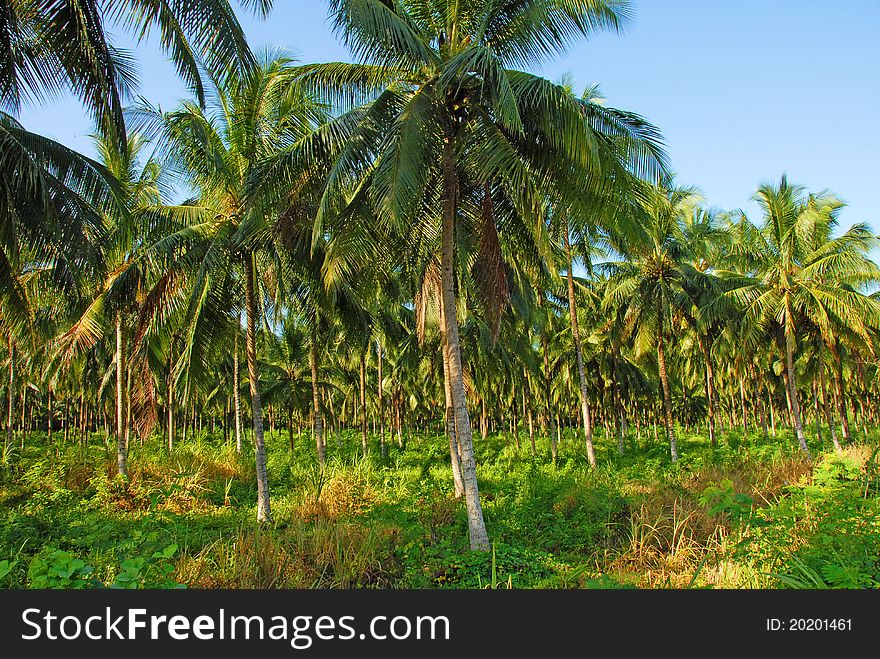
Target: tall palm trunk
{"points": [[264, 511], [772, 412], [618, 405], [121, 443], [365, 448], [841, 395], [545, 349], [826, 408], [575, 332], [10, 393], [49, 415], [317, 415], [527, 414], [23, 415], [169, 397], [667, 398], [127, 407], [758, 398], [290, 428], [236, 391], [710, 390], [449, 416], [479, 538], [382, 447], [398, 419], [792, 384]]}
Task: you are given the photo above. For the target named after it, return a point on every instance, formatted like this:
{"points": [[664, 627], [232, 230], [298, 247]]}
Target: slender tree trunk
{"points": [[514, 428], [618, 405], [479, 538], [382, 447], [365, 447], [170, 415], [81, 421], [731, 411], [127, 406], [264, 511], [236, 390], [49, 415], [829, 419], [398, 407], [792, 384], [545, 350], [772, 412], [122, 447], [527, 411], [317, 415], [449, 416], [710, 391], [290, 428], [327, 402], [863, 419], [638, 418], [667, 398], [758, 398], [575, 332], [841, 395], [742, 402], [10, 393], [23, 408]]}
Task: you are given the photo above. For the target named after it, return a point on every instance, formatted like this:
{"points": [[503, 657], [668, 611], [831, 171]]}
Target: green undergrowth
{"points": [[751, 512]]}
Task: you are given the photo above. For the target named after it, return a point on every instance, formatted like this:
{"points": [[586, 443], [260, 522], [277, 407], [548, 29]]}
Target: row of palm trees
{"points": [[386, 240]]}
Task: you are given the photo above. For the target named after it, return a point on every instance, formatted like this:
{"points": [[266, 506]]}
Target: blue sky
{"points": [[742, 91]]}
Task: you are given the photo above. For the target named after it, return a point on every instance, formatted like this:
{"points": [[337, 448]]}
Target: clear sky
{"points": [[742, 90]]}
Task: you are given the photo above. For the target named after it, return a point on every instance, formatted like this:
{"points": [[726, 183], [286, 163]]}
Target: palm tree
{"points": [[796, 273], [450, 124], [579, 356], [704, 232], [52, 45], [114, 298], [286, 356], [649, 287], [55, 198], [52, 218], [236, 224], [620, 155]]}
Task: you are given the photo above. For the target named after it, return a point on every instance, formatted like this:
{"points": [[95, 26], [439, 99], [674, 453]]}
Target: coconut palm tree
{"points": [[649, 286], [704, 232], [237, 229], [52, 218], [285, 367], [621, 155], [49, 46], [796, 271], [450, 123], [113, 299], [54, 198]]}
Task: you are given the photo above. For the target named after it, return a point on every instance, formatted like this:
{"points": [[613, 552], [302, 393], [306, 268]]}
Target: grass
{"points": [[749, 513]]}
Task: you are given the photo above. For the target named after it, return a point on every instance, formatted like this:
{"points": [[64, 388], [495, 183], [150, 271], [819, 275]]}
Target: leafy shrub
{"points": [[721, 498], [60, 569], [446, 565]]}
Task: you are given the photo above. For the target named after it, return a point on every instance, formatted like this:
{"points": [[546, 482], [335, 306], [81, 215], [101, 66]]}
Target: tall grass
{"points": [[751, 513]]}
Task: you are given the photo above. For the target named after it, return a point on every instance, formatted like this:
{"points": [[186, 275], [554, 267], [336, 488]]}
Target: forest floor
{"points": [[750, 513]]}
